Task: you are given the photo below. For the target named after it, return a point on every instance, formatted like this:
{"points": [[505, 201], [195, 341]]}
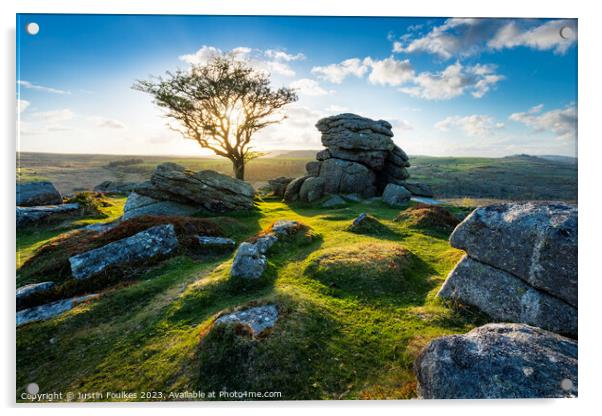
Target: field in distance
{"points": [[518, 177]]}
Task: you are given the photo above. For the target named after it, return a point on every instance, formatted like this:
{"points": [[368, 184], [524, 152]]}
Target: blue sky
{"points": [[464, 87]]}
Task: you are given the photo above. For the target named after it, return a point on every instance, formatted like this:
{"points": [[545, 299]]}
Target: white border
{"points": [[590, 71]]}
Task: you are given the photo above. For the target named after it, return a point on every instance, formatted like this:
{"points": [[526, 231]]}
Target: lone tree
{"points": [[220, 105]]}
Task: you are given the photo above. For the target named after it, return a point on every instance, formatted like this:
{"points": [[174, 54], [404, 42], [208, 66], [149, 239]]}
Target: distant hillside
{"points": [[305, 154]]}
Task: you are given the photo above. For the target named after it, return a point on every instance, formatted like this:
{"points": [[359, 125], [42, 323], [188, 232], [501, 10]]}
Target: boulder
{"points": [[258, 319], [248, 262], [334, 201], [33, 194], [209, 189], [396, 195], [24, 293], [279, 185], [498, 361], [312, 189], [216, 243], [506, 298], [139, 205], [418, 188], [115, 187], [350, 131], [265, 242], [283, 228], [536, 242], [292, 190], [156, 242], [313, 168], [50, 310], [344, 177], [33, 215], [374, 159]]}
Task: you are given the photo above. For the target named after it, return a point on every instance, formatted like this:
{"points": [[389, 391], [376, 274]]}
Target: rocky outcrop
{"points": [[536, 242], [48, 311], [258, 319], [507, 298], [33, 215], [278, 185], [143, 247], [174, 190], [360, 157], [115, 187], [521, 264], [498, 361], [396, 195], [33, 194]]}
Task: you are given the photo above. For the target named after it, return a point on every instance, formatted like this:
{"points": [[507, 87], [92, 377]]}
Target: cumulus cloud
{"points": [[454, 81], [22, 105], [270, 61], [561, 122], [36, 87], [390, 71], [297, 131], [473, 125], [468, 36], [107, 123], [336, 73], [310, 87]]}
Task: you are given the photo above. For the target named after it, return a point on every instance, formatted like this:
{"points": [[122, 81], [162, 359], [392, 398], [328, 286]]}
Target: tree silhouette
{"points": [[220, 105]]}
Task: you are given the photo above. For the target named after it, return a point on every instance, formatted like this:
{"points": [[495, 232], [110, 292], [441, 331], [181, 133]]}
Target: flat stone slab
{"points": [[160, 240], [258, 318], [32, 215], [505, 297], [498, 361], [534, 241], [138, 205], [219, 243], [50, 310], [24, 292]]}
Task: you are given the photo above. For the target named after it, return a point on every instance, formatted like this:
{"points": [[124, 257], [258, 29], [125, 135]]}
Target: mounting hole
{"points": [[32, 28], [32, 388], [566, 33]]}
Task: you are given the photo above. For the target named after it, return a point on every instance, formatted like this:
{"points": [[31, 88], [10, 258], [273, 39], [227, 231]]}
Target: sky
{"points": [[449, 86]]}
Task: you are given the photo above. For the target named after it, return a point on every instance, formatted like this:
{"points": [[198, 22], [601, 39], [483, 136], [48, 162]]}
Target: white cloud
{"points": [[54, 116], [473, 125], [333, 108], [277, 62], [283, 56], [297, 131], [308, 86], [108, 123], [336, 73], [22, 105], [543, 37], [562, 122], [390, 71], [31, 86], [466, 37], [454, 81]]}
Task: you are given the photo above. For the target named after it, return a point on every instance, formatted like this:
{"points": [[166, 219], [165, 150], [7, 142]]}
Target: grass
{"points": [[356, 339]]}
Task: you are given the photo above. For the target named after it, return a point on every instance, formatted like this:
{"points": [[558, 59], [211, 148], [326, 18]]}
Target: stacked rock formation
{"points": [[360, 157], [521, 264], [174, 190], [41, 201]]}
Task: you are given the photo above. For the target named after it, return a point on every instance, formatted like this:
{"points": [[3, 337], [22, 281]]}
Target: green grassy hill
{"points": [[356, 308]]}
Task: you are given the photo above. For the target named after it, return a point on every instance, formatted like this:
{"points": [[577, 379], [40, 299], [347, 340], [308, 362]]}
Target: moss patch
{"points": [[429, 217]]}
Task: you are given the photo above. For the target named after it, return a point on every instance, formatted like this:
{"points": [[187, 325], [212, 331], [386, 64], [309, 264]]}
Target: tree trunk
{"points": [[239, 169]]}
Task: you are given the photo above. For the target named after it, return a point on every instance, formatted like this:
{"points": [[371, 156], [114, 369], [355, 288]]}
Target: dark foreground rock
{"points": [[48, 311], [536, 242], [155, 242], [37, 193], [258, 319], [498, 361], [278, 185], [27, 216], [24, 293], [505, 297]]}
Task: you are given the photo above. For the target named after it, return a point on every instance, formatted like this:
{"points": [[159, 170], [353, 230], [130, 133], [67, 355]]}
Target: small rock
{"points": [[157, 241], [498, 361], [48, 311], [258, 318], [115, 187], [312, 189], [360, 218], [396, 195], [25, 292], [265, 242], [32, 194], [33, 215], [285, 227], [292, 190], [248, 262], [333, 202], [418, 189], [213, 243], [278, 185]]}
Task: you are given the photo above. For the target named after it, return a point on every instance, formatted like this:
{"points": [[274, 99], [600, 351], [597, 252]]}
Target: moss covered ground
{"points": [[355, 310]]}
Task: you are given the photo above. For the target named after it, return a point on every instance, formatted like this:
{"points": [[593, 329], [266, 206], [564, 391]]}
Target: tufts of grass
{"points": [[429, 217]]}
